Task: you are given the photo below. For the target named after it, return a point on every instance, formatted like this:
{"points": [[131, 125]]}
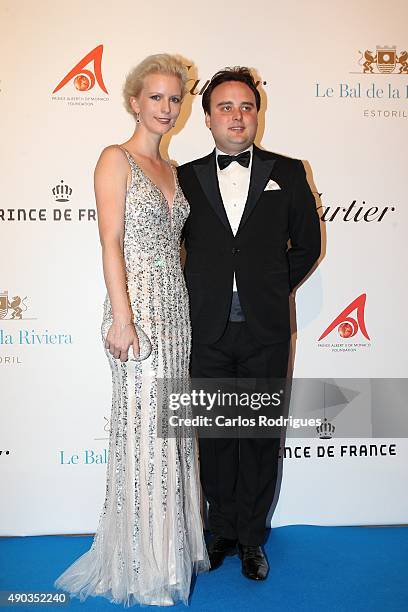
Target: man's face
{"points": [[234, 119]]}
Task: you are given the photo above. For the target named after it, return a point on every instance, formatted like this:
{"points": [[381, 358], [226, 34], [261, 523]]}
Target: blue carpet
{"points": [[312, 569]]}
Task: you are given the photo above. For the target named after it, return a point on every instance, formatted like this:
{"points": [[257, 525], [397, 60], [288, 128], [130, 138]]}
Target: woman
{"points": [[149, 540]]}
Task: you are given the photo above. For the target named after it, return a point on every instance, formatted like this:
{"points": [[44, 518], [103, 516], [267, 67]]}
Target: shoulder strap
{"points": [[130, 159]]}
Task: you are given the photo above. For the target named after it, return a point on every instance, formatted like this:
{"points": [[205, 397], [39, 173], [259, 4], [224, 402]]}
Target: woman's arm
{"points": [[111, 177]]}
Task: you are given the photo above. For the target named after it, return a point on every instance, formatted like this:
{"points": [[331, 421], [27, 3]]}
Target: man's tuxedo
{"points": [[239, 475], [266, 271]]}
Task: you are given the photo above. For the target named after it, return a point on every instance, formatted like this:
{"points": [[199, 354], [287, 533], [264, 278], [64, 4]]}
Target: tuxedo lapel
{"points": [[207, 175], [262, 164]]}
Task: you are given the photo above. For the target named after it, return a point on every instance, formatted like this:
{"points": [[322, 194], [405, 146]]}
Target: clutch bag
{"points": [[145, 346]]}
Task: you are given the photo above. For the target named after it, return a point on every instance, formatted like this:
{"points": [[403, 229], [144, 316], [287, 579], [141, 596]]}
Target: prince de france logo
{"points": [[349, 324], [61, 192], [84, 76]]}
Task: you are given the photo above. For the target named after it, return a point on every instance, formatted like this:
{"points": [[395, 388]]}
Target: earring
{"points": [[137, 117]]}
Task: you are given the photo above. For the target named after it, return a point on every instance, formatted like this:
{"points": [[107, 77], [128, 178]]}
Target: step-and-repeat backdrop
{"points": [[334, 82]]}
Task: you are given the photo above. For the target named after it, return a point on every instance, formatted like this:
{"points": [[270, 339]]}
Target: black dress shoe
{"points": [[254, 563], [220, 548]]}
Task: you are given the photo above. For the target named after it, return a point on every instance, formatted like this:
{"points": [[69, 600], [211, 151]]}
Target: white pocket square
{"points": [[271, 185]]}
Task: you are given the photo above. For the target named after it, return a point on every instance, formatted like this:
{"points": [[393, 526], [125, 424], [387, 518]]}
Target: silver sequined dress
{"points": [[149, 539]]}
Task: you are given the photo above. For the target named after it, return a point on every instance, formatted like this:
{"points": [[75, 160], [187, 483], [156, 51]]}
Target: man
{"points": [[246, 204]]}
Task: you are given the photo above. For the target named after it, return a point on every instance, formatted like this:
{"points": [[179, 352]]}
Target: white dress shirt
{"points": [[234, 185]]}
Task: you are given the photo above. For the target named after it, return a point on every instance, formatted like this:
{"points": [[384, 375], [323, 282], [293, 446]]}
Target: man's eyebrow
{"points": [[230, 102]]}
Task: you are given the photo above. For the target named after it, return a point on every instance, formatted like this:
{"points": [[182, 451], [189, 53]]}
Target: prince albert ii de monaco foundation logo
{"points": [[384, 60], [349, 322], [82, 76]]}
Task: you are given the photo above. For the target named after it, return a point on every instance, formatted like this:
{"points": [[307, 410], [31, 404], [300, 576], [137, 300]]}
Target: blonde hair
{"points": [[161, 63]]}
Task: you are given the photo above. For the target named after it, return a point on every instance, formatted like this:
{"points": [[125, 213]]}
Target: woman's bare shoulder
{"points": [[113, 154]]}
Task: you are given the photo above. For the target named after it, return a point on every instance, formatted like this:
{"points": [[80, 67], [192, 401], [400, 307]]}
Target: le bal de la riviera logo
{"points": [[17, 329], [379, 77], [386, 60]]}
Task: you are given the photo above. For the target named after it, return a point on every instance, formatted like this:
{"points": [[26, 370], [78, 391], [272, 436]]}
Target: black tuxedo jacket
{"points": [[266, 269]]}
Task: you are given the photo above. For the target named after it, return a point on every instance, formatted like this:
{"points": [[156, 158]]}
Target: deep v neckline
{"points": [[169, 206]]}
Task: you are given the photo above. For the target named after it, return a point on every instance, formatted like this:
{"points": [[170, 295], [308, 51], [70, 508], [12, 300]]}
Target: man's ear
{"points": [[208, 121]]}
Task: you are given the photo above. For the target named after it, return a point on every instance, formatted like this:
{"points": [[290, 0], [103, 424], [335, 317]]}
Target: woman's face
{"points": [[158, 103]]}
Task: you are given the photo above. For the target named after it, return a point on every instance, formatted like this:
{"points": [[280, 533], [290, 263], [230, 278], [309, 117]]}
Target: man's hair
{"points": [[236, 73]]}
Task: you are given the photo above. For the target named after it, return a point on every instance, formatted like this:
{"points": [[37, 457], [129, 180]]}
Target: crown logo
{"points": [[325, 430], [62, 192]]}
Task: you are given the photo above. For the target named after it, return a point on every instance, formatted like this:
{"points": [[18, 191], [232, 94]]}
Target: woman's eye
{"points": [[155, 97], [175, 99]]}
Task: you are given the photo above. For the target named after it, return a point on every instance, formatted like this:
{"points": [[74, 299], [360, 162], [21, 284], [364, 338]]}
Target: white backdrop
{"points": [[55, 379]]}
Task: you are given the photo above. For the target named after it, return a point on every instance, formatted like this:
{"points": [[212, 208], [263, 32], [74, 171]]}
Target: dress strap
{"points": [[130, 159], [133, 167]]}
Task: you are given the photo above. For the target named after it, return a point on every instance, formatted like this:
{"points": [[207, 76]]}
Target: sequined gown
{"points": [[149, 539]]}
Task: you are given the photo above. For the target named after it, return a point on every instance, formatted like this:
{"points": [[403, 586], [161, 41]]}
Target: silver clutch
{"points": [[145, 346]]}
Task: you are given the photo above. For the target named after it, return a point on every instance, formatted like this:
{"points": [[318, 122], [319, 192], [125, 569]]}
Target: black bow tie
{"points": [[225, 160]]}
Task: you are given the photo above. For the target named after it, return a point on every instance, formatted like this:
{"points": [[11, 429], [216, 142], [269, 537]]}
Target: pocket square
{"points": [[271, 185]]}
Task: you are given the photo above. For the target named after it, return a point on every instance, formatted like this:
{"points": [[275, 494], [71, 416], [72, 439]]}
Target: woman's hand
{"points": [[119, 338]]}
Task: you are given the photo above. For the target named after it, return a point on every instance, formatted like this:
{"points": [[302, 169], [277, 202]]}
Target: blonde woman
{"points": [[149, 541]]}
